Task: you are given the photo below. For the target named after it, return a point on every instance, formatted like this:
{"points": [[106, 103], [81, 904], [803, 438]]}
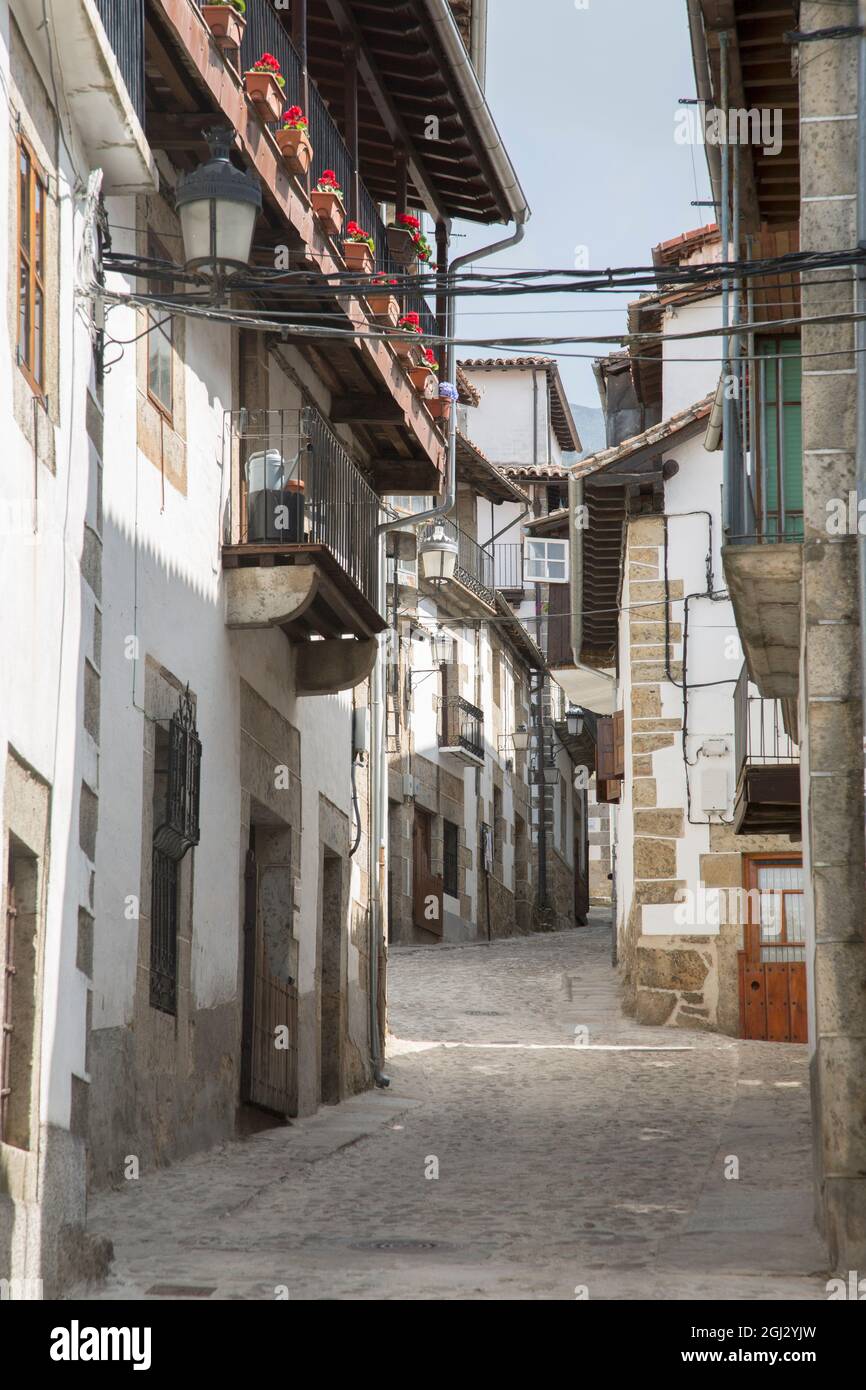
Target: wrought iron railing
{"points": [[266, 33], [461, 725], [123, 21], [760, 736], [298, 485], [508, 566]]}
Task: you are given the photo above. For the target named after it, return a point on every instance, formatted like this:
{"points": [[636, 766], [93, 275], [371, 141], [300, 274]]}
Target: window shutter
{"points": [[619, 743], [605, 765]]}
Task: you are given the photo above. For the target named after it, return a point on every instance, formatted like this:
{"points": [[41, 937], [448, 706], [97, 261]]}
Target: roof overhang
{"points": [[415, 69], [484, 478], [593, 690]]}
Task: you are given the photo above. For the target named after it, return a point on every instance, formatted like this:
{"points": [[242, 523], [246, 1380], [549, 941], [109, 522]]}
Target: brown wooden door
{"points": [[269, 1041], [773, 963], [581, 858], [427, 890]]}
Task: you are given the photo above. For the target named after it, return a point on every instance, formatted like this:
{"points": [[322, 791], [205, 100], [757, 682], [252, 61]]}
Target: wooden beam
{"points": [[366, 410]]}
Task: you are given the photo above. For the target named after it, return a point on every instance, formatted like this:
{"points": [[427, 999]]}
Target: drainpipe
{"points": [[379, 755], [727, 402], [478, 40], [860, 343]]}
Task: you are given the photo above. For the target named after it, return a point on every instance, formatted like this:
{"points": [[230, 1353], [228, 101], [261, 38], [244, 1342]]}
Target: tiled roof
{"points": [[476, 469], [656, 434], [672, 252], [532, 471], [469, 394], [561, 417]]}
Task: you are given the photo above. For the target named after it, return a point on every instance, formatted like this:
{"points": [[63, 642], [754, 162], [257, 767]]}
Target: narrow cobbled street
{"points": [[571, 1164]]}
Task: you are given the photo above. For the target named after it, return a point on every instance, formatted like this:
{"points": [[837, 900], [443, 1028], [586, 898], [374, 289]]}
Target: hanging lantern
{"points": [[437, 554], [218, 205], [574, 722], [442, 647]]}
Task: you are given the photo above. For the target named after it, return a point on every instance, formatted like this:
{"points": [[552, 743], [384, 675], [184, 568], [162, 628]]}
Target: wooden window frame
{"points": [[546, 542], [155, 248], [33, 372]]}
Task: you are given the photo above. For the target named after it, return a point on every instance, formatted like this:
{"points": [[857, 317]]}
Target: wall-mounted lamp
{"points": [[574, 721], [441, 651], [437, 555], [218, 205], [519, 739], [551, 776]]}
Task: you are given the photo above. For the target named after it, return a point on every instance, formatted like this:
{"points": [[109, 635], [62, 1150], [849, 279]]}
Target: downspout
{"points": [[478, 41], [379, 756], [860, 343], [727, 403], [704, 86]]}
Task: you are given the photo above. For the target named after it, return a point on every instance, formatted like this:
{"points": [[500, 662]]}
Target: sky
{"points": [[585, 100]]}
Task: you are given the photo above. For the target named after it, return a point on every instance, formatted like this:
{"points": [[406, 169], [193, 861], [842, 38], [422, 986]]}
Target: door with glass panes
{"points": [[773, 961]]}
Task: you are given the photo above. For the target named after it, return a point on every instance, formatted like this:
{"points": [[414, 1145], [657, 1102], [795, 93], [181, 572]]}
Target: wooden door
{"points": [[269, 1042], [581, 858], [773, 963], [427, 890]]}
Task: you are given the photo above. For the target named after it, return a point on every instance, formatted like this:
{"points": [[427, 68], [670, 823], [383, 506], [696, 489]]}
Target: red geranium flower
{"points": [[407, 220]]}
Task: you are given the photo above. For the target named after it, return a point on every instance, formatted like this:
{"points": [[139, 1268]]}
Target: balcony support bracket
{"points": [[324, 668], [269, 597]]}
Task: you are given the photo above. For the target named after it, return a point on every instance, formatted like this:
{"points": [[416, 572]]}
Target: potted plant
{"points": [[384, 305], [359, 249], [294, 141], [408, 352], [401, 238], [226, 20], [440, 406], [424, 251], [264, 85], [424, 375], [327, 200]]}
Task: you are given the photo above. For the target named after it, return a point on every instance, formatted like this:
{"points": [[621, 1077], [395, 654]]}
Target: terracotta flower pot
{"points": [[358, 257], [226, 25], [401, 246], [440, 408], [424, 381], [408, 352], [330, 211], [296, 149], [384, 307], [266, 94]]}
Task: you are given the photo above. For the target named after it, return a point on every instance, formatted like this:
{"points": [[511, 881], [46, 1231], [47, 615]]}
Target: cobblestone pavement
{"points": [[562, 1168]]}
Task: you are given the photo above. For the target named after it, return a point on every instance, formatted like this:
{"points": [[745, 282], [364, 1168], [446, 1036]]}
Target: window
{"points": [[779, 428], [160, 341], [31, 267], [177, 769], [546, 562], [450, 859], [18, 995]]}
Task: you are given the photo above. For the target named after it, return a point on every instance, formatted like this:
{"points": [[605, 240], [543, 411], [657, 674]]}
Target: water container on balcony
{"points": [[275, 501]]}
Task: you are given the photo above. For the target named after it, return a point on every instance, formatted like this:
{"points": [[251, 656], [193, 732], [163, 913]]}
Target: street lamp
{"points": [[442, 647], [520, 738], [437, 555], [551, 775], [574, 722], [218, 205]]}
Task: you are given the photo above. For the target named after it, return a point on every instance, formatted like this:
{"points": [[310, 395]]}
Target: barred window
{"points": [[176, 798], [31, 267], [450, 859]]}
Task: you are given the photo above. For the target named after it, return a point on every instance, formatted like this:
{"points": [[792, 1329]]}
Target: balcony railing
{"points": [[766, 765], [123, 21], [299, 487], [508, 566], [765, 504], [461, 729], [265, 33], [760, 736]]}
